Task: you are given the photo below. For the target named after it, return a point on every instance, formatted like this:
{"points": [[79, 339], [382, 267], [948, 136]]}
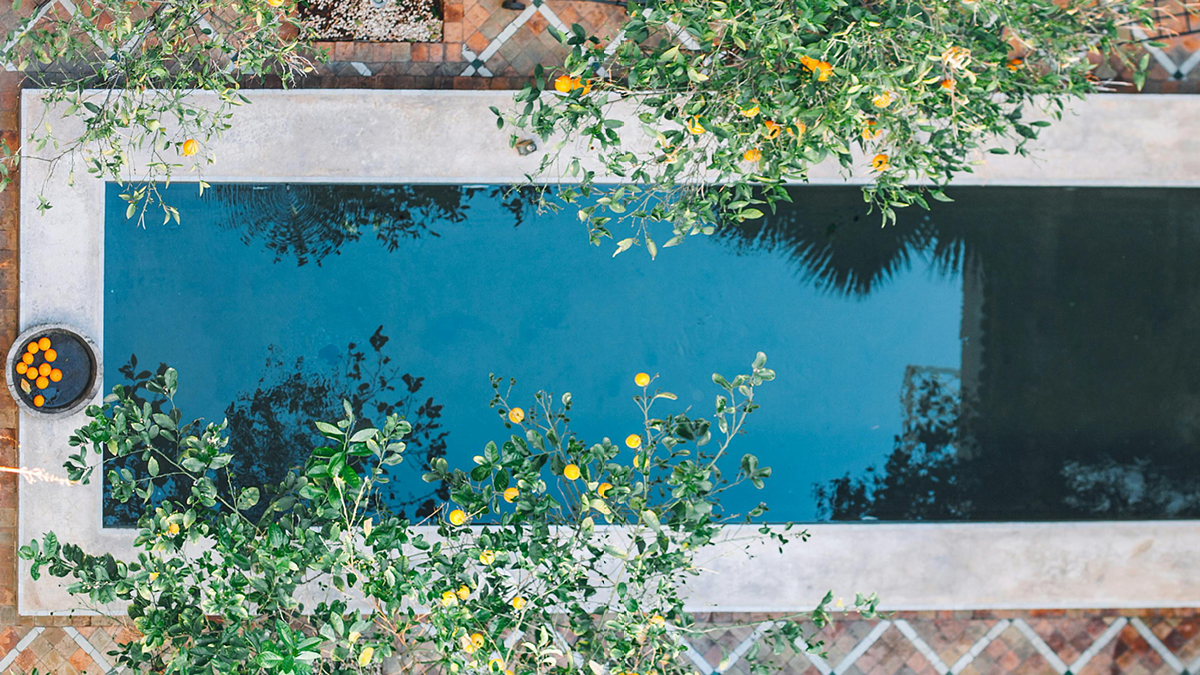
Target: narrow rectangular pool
{"points": [[1019, 354]]}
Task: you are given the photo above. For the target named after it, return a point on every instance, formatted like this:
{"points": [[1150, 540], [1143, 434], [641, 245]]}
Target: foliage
{"points": [[128, 70], [269, 432], [521, 551], [729, 99]]}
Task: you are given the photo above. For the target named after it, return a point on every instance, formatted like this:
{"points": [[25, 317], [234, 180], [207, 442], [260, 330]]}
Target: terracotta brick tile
{"points": [[453, 32], [477, 43], [476, 15]]}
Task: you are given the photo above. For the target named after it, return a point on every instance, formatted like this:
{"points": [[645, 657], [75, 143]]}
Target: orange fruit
{"points": [[516, 415], [27, 358], [190, 147], [22, 367], [458, 517], [44, 369], [50, 355], [511, 494], [563, 84], [55, 375], [641, 379], [39, 400], [571, 472], [31, 373], [752, 155], [44, 343], [879, 162], [42, 382], [32, 348]]}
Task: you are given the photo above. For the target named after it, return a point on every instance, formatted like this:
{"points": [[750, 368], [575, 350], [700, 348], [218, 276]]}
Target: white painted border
{"points": [[430, 137]]}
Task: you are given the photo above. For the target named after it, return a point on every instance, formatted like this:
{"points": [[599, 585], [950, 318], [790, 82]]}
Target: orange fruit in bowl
{"points": [[39, 400], [44, 369], [27, 358], [31, 373], [22, 367], [32, 348], [50, 355], [44, 343], [55, 375], [42, 382]]}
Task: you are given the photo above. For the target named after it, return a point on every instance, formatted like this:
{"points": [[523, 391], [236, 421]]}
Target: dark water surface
{"points": [[1019, 354]]}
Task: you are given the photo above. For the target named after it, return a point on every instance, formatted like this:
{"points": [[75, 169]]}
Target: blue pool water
{"points": [[911, 385]]}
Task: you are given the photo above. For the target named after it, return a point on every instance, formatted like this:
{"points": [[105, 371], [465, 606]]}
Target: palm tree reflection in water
{"points": [[1078, 395]]}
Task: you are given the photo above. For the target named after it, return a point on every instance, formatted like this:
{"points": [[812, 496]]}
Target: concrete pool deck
{"points": [[428, 137]]}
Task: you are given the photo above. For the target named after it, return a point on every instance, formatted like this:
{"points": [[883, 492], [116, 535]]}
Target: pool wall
{"points": [[451, 137]]}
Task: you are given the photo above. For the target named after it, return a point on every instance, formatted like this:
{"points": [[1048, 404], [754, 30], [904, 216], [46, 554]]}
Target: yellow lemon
{"points": [[633, 441], [496, 664], [641, 379], [516, 415], [353, 636], [752, 111], [517, 602], [458, 517], [364, 657], [153, 576], [487, 557], [275, 3], [603, 489], [173, 528], [463, 592], [657, 620], [693, 125], [571, 472], [882, 100], [477, 640], [449, 599], [190, 147], [511, 494]]}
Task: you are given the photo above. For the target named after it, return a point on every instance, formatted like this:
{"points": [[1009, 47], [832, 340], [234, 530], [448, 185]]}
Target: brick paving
{"points": [[481, 51]]}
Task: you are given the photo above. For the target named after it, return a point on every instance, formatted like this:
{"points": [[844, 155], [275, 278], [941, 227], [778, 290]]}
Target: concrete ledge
{"points": [[431, 137]]}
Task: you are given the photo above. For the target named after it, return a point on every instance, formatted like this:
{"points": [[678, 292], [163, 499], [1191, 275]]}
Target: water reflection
{"points": [[1020, 354], [311, 222], [1078, 395], [271, 430]]}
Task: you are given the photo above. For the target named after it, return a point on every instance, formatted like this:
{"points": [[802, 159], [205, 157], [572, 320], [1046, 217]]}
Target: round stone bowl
{"points": [[76, 359]]}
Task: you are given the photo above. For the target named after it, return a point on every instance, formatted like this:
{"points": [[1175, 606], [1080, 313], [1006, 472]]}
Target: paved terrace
{"points": [[487, 47]]}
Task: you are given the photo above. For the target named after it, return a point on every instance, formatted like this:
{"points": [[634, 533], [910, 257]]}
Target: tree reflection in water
{"points": [[311, 222], [1079, 373], [271, 430]]}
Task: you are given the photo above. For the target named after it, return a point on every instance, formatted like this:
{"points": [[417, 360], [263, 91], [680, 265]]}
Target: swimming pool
{"points": [[1020, 354]]}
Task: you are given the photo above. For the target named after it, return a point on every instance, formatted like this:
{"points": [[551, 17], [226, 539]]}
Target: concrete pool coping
{"points": [[436, 136]]}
